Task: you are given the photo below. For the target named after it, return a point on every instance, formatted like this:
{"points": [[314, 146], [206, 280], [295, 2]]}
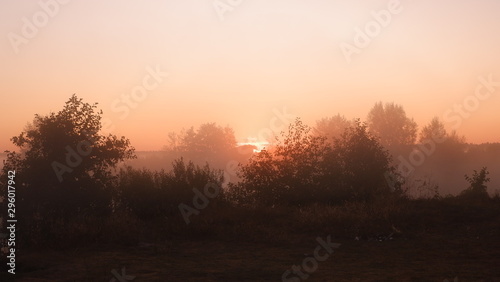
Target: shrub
{"points": [[303, 169], [152, 194], [477, 189]]}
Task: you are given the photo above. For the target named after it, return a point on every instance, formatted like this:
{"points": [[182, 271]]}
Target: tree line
{"points": [[65, 166]]}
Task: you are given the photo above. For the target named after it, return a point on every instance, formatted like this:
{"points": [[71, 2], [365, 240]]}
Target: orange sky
{"points": [[263, 57]]}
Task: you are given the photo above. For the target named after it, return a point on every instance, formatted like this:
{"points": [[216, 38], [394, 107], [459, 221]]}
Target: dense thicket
{"points": [[150, 194], [67, 170], [302, 169]]}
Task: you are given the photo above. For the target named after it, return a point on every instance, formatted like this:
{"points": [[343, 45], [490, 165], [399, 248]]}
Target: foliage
{"points": [[208, 138], [390, 123], [331, 127], [64, 165], [433, 131], [364, 162], [210, 143], [477, 188], [303, 168], [150, 194], [287, 172]]}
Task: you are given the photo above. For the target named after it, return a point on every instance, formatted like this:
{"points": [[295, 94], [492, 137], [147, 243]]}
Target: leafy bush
{"points": [[303, 169], [152, 194], [477, 189], [64, 167]]}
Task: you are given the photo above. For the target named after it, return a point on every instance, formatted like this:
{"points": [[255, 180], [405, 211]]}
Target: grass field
{"points": [[426, 258], [435, 240]]}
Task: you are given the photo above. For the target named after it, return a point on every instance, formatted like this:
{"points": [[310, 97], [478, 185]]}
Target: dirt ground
{"points": [[424, 258]]}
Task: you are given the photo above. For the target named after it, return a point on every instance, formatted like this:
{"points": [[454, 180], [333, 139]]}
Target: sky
{"points": [[157, 66]]}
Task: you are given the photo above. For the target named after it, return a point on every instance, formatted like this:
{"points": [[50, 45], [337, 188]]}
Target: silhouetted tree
{"points": [[152, 194], [278, 174], [209, 137], [446, 150], [331, 127], [64, 165], [364, 162], [209, 143], [303, 168], [433, 131], [390, 123], [477, 189]]}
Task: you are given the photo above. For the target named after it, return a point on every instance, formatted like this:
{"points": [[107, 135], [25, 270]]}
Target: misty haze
{"points": [[226, 140]]}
